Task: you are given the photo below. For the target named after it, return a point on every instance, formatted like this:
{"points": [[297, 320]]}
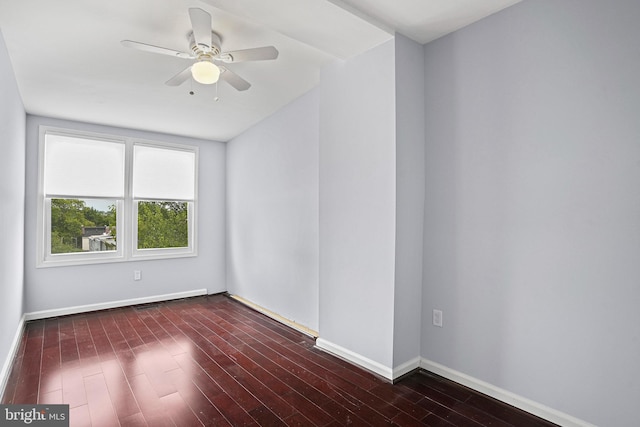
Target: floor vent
{"points": [[146, 307]]}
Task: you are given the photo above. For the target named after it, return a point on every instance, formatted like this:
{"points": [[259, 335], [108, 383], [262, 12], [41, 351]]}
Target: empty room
{"points": [[320, 212]]}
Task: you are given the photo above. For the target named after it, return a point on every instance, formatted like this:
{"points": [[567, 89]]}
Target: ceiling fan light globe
{"points": [[205, 72]]}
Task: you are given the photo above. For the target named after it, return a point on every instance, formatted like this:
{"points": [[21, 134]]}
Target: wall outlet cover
{"points": [[437, 318]]}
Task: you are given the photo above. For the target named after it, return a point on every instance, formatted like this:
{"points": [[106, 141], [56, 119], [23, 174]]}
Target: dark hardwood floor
{"points": [[212, 361]]}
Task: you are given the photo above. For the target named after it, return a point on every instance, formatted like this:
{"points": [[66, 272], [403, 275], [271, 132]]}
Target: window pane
{"points": [[83, 225], [163, 173], [163, 225], [83, 167]]}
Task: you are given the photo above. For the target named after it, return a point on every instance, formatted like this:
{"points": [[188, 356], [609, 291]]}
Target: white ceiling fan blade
{"points": [[201, 25], [155, 49], [256, 54], [179, 78], [233, 79]]}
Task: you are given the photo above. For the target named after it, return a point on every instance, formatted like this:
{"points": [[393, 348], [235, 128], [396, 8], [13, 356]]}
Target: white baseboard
{"points": [[8, 363], [505, 396], [355, 358], [112, 304], [366, 363], [406, 367]]}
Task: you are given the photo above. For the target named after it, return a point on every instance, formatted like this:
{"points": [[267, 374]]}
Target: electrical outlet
{"points": [[137, 275], [437, 318]]}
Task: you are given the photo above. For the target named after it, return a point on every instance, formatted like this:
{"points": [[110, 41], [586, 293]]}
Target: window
{"points": [[106, 199], [163, 195]]}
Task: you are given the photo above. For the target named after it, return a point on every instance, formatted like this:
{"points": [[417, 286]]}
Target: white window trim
{"points": [[126, 210]]}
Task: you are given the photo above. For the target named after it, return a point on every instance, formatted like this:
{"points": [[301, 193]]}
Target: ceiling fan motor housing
{"points": [[202, 51]]}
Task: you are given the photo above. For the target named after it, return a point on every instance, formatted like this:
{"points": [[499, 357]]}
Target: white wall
{"points": [[532, 216], [357, 204], [12, 195], [62, 287], [272, 211]]}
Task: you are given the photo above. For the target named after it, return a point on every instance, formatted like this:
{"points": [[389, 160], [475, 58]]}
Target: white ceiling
{"points": [[69, 63]]}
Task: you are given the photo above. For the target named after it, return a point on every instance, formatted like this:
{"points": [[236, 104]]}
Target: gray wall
{"points": [[410, 182], [532, 216], [62, 287], [12, 196], [272, 207], [357, 203]]}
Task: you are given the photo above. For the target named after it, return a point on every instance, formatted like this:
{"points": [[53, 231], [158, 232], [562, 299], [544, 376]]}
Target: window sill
{"points": [[65, 261]]}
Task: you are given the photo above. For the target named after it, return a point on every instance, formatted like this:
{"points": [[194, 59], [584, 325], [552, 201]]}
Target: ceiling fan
{"points": [[210, 61]]}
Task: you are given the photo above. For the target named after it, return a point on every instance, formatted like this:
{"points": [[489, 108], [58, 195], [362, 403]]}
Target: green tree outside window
{"points": [[163, 225]]}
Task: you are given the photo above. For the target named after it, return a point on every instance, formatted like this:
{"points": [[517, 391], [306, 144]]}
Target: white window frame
{"points": [[126, 209]]}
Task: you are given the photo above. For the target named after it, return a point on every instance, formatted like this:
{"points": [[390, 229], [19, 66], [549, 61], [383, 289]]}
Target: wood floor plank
{"points": [[504, 412], [204, 384], [405, 420], [79, 416], [88, 355], [52, 397], [27, 389], [389, 393], [120, 392], [446, 401], [166, 339], [68, 345], [73, 391], [149, 402], [155, 361], [101, 408], [135, 420], [179, 411], [298, 420], [212, 361], [50, 378], [100, 339], [144, 332], [129, 333], [51, 333]]}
